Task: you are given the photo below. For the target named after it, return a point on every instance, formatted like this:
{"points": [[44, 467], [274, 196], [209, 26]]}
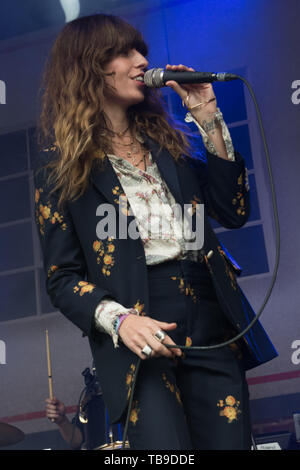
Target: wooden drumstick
{"points": [[49, 367]]}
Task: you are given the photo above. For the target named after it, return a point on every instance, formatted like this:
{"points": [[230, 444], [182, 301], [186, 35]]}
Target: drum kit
{"points": [[92, 389], [10, 435]]}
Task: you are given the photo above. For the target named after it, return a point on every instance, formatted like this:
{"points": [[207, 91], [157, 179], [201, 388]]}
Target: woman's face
{"points": [[128, 88]]}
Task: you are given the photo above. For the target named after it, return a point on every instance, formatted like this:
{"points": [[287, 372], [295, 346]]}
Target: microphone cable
{"points": [[273, 279]]}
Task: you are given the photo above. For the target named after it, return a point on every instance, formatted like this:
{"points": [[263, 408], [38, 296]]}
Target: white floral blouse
{"points": [[152, 204]]}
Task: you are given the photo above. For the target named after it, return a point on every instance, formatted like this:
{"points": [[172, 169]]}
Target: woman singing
{"points": [[120, 264]]}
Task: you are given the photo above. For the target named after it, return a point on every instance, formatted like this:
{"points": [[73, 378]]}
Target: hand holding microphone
{"points": [[157, 78], [199, 98]]}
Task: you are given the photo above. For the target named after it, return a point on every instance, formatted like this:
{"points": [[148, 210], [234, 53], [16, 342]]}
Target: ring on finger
{"points": [[159, 335], [185, 102], [146, 350]]}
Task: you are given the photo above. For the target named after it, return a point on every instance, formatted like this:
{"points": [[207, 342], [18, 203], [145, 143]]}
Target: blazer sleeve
{"points": [[225, 189], [63, 259]]}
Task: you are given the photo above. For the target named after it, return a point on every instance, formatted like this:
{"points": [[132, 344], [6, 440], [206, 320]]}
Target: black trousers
{"points": [[200, 401]]}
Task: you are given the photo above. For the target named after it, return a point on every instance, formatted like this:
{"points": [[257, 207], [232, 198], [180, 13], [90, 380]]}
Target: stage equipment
{"points": [[10, 435]]}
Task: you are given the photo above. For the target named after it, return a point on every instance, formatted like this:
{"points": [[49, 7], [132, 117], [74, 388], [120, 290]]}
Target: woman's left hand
{"points": [[196, 93]]}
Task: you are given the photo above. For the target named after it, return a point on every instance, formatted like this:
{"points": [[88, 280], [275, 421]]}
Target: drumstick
{"points": [[49, 367]]}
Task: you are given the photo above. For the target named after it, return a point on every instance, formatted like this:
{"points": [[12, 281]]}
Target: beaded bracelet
{"points": [[120, 318]]}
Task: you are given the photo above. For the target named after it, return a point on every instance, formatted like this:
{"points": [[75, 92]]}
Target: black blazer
{"points": [[81, 270]]}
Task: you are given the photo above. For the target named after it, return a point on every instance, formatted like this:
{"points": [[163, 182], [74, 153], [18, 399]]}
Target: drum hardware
{"points": [[113, 445], [10, 435], [92, 388]]}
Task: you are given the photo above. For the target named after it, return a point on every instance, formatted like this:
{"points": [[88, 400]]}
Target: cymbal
{"points": [[113, 445], [10, 435]]}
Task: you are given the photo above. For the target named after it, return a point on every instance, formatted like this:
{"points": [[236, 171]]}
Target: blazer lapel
{"points": [[107, 183]]}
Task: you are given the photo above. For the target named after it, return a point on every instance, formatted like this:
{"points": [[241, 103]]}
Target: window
{"points": [[22, 291]]}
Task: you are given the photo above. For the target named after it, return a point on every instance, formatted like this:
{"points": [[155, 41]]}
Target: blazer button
{"points": [[139, 257]]}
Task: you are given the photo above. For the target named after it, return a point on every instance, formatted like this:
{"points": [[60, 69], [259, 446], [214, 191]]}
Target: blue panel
{"points": [[16, 249], [33, 154], [17, 296], [231, 100], [14, 199], [247, 246], [13, 153], [255, 212], [241, 142]]}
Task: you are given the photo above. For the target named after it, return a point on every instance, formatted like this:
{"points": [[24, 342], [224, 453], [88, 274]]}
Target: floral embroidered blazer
{"points": [[82, 270]]}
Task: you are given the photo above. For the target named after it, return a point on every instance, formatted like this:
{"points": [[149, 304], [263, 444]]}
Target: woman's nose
{"points": [[140, 61]]}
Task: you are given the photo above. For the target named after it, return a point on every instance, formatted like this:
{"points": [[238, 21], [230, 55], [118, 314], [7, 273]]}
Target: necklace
{"points": [[132, 148], [137, 163], [119, 134]]}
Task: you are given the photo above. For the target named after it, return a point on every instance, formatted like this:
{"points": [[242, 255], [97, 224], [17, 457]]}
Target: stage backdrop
{"points": [[255, 38]]}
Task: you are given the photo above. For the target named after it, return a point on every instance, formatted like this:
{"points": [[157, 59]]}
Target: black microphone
{"points": [[156, 78]]}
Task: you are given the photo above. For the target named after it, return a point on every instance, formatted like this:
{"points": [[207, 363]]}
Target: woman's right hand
{"points": [[136, 332], [55, 410]]}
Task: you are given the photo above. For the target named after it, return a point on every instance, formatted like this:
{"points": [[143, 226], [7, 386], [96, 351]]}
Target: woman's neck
{"points": [[118, 118]]}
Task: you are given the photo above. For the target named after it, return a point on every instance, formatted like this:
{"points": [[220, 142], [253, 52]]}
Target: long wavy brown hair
{"points": [[72, 118]]}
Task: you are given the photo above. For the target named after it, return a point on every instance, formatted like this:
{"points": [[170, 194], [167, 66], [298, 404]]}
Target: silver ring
{"points": [[159, 335], [147, 350]]}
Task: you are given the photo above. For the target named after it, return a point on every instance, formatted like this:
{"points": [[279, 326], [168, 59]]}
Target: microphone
{"points": [[156, 78]]}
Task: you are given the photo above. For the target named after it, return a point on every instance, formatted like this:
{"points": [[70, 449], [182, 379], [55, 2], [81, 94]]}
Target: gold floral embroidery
{"points": [[212, 213], [134, 415], [50, 149], [105, 249], [194, 203], [236, 350], [230, 408], [129, 379], [43, 213], [185, 289], [228, 269], [239, 199], [173, 388], [234, 347], [83, 287], [52, 269], [122, 200], [139, 307]]}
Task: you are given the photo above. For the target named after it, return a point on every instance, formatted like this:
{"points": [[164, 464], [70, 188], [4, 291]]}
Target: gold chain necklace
{"points": [[119, 134]]}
